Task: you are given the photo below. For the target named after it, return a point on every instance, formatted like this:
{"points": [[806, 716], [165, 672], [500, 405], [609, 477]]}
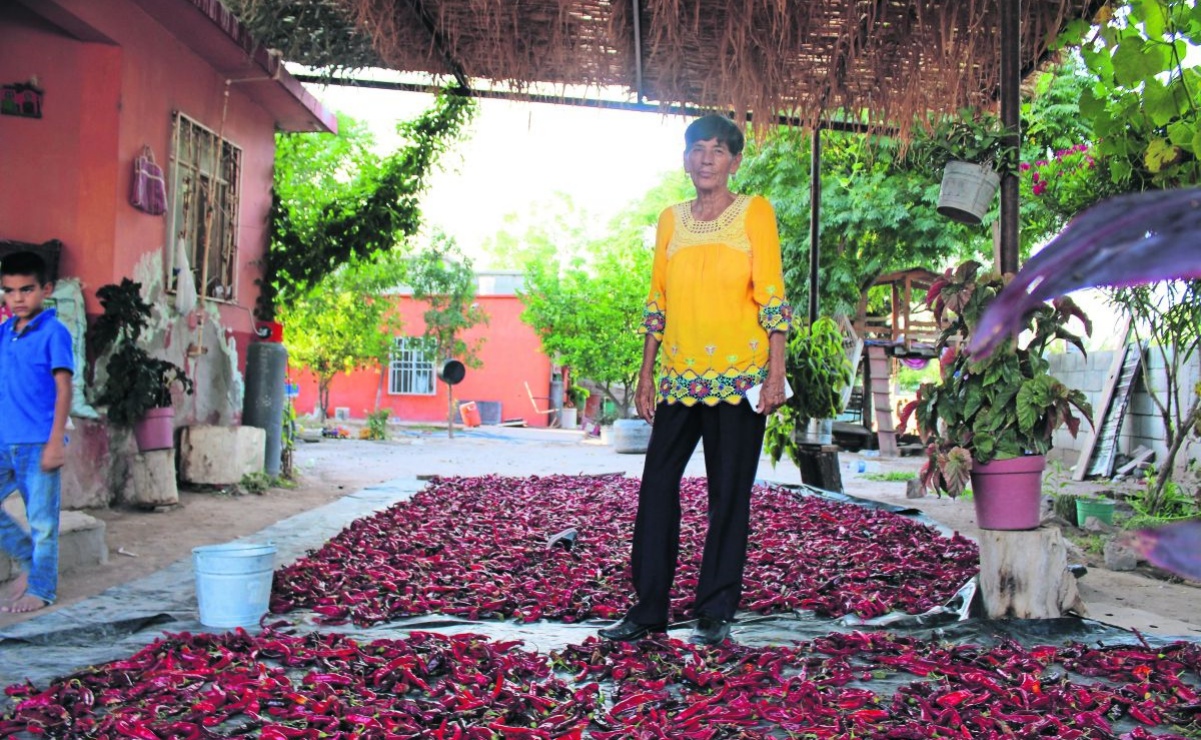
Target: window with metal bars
{"points": [[411, 370], [204, 191]]}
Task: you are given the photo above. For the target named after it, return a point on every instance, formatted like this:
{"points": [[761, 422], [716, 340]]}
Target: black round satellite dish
{"points": [[452, 372]]}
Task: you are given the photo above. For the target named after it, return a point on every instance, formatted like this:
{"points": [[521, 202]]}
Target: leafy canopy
{"points": [[346, 322], [443, 278], [337, 202], [585, 297]]}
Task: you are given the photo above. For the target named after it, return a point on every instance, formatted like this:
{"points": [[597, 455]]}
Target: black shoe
{"points": [[627, 631], [710, 631]]}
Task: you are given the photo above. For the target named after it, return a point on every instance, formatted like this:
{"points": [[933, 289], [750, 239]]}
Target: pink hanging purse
{"points": [[148, 189]]}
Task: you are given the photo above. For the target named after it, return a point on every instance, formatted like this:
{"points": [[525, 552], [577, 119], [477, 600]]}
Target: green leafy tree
{"points": [[1168, 317], [1144, 103], [442, 277], [587, 308], [552, 232], [336, 202], [876, 217], [344, 323]]}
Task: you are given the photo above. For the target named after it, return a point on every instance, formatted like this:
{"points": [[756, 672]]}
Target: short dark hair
{"points": [[714, 126], [24, 263]]}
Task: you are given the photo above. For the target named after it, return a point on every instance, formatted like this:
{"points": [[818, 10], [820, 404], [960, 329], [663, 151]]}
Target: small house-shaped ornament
{"points": [[21, 99]]}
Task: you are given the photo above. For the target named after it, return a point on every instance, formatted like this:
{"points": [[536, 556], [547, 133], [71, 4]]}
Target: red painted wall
{"points": [[67, 175], [511, 354]]}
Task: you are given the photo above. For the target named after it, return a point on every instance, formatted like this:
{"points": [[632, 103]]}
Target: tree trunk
{"points": [[1175, 442], [323, 385], [1024, 575]]}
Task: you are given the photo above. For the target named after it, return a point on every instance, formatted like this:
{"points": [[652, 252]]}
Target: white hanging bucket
{"points": [[233, 583], [967, 191]]}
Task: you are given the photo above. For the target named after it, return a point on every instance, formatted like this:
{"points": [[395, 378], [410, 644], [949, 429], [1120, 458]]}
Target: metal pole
{"points": [[637, 49], [815, 205], [1007, 251]]}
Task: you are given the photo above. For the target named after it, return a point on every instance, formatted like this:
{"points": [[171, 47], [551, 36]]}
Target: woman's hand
{"points": [[772, 396], [644, 399]]}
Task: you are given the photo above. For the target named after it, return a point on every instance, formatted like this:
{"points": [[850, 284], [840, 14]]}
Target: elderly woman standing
{"points": [[718, 310]]}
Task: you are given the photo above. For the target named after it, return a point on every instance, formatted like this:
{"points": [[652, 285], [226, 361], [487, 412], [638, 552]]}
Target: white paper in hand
{"points": [[752, 394]]}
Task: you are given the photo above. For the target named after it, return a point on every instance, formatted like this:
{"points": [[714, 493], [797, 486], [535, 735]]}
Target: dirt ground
{"points": [[141, 542]]}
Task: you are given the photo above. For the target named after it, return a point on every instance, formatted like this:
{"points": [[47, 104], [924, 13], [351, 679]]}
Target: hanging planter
{"points": [[971, 151], [967, 191]]}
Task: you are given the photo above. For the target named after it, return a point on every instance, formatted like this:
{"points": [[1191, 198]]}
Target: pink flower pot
{"points": [[155, 430], [1008, 493]]}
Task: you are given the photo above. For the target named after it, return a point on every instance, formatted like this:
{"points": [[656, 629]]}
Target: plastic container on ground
{"points": [[233, 583], [470, 414], [1102, 509]]}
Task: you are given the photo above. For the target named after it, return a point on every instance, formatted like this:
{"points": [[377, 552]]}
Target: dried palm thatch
{"points": [[886, 60]]}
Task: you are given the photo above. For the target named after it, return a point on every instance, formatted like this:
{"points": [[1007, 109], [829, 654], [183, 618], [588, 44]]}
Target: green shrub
{"points": [[377, 424]]}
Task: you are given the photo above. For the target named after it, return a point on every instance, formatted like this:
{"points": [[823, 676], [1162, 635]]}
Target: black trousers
{"points": [[733, 436]]}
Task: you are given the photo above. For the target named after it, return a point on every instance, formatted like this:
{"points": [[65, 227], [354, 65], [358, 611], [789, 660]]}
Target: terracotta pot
{"points": [[155, 430], [1008, 493]]}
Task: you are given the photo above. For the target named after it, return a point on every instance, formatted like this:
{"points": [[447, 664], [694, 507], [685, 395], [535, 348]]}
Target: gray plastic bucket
{"points": [[233, 583]]}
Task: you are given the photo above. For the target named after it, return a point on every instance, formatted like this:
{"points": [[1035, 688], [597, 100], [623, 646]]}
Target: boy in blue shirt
{"points": [[36, 365]]}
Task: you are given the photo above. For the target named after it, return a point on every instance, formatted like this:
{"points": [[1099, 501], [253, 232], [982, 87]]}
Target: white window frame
{"points": [[192, 163], [411, 368]]}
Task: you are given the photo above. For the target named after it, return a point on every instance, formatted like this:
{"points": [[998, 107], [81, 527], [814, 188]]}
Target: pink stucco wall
{"points": [[113, 72], [511, 355], [105, 100]]}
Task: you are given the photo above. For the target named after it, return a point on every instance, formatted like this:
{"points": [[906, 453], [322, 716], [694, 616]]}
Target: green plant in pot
{"points": [[137, 387], [969, 152], [577, 397], [818, 371], [985, 419]]}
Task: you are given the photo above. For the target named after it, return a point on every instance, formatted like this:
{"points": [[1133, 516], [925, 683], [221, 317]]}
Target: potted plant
{"points": [[573, 407], [970, 151], [137, 387], [991, 422], [819, 370]]}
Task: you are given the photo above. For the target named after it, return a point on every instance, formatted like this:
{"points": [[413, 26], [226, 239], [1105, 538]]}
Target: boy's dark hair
{"points": [[714, 126], [24, 263]]}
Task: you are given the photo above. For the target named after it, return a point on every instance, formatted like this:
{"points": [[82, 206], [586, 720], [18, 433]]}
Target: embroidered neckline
{"points": [[722, 222]]}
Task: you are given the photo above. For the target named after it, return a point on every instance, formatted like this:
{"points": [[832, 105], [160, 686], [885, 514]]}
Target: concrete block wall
{"points": [[1143, 425]]}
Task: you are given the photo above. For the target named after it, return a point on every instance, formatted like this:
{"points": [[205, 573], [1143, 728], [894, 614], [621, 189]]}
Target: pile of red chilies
{"points": [[277, 686], [478, 548], [316, 686]]}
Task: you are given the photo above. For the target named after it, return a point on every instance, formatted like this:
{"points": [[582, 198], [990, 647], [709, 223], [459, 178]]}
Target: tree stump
{"points": [[819, 466], [153, 481], [1024, 575]]}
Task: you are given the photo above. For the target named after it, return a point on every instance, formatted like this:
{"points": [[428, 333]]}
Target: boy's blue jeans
{"points": [[37, 549]]}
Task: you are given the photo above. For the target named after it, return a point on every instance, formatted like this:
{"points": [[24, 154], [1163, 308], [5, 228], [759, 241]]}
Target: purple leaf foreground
{"points": [[1175, 547], [1127, 240]]}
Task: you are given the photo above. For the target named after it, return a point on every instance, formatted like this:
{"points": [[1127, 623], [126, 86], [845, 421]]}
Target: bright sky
{"points": [[518, 155]]}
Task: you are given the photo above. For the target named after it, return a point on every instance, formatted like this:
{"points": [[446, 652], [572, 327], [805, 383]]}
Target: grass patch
{"points": [[1092, 543], [894, 476], [258, 482]]}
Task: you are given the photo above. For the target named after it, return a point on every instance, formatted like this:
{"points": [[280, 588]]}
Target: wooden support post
{"points": [[819, 467], [1024, 575]]}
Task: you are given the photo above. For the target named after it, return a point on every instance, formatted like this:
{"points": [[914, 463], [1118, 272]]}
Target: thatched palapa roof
{"points": [[888, 60]]}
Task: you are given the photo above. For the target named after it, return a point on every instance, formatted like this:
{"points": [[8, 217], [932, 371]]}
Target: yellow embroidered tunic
{"points": [[717, 291]]}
